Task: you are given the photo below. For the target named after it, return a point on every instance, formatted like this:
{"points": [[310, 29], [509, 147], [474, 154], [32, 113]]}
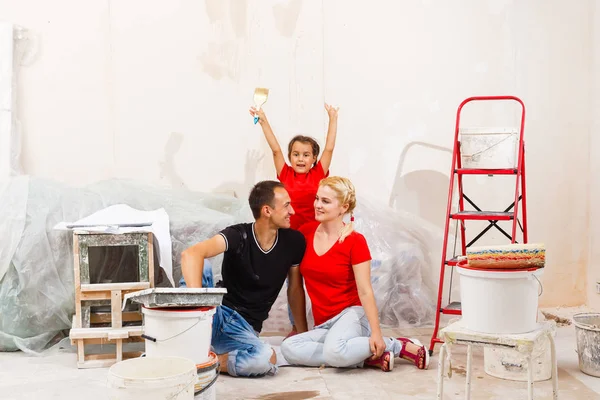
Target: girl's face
{"points": [[327, 206], [302, 157]]}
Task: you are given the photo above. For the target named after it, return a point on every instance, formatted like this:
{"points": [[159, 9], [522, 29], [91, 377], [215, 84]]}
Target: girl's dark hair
{"points": [[305, 140]]}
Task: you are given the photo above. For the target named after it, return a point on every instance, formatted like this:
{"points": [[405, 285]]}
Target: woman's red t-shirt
{"points": [[329, 278], [302, 189]]}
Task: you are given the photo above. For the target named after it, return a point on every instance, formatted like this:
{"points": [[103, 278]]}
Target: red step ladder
{"points": [[462, 216]]}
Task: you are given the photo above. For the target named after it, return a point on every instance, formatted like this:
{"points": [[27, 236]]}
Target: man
{"points": [[258, 258]]}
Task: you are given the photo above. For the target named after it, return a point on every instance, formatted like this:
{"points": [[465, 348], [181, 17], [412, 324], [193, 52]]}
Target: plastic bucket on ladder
{"points": [[489, 148]]}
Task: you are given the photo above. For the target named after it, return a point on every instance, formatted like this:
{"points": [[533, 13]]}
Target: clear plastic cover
{"points": [[405, 250], [36, 289], [37, 292]]}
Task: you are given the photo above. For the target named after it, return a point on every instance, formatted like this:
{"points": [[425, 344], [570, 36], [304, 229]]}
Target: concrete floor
{"points": [[55, 376]]}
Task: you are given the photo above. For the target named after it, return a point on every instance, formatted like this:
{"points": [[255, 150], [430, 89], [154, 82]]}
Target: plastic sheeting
{"points": [[36, 289], [405, 252]]}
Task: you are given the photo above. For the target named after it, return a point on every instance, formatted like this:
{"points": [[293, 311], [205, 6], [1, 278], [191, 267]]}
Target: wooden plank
{"points": [[102, 295], [105, 317], [119, 350], [99, 287], [151, 259], [143, 260], [85, 315], [106, 341], [97, 333], [107, 239], [84, 263], [105, 360], [77, 282], [108, 356], [116, 321]]}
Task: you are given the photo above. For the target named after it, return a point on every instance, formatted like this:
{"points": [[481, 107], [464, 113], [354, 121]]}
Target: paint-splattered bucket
{"points": [[208, 372], [587, 332], [489, 148], [152, 378]]}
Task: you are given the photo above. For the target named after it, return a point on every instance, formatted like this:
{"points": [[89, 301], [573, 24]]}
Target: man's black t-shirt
{"points": [[254, 277]]}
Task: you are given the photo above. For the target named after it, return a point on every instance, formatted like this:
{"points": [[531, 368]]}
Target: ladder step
{"points": [[454, 308], [474, 171], [483, 215], [453, 262]]}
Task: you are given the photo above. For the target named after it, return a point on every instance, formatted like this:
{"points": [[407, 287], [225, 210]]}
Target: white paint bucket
{"points": [[587, 332], [511, 365], [152, 378], [178, 332], [207, 373], [499, 301], [488, 148]]}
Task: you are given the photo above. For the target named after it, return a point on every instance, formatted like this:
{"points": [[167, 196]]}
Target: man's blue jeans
{"points": [[233, 335]]}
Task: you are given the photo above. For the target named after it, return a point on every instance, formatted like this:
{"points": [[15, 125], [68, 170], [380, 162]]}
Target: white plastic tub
{"points": [[511, 365], [155, 378], [501, 302], [489, 148], [178, 332]]}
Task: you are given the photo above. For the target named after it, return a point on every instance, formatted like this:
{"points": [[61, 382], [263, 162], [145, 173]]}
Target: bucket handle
{"points": [[540, 283], [218, 372], [153, 339]]}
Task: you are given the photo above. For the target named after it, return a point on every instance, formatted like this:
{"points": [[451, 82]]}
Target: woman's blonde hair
{"points": [[345, 194]]}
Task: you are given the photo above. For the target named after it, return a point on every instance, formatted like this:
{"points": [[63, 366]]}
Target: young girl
{"points": [[301, 180]]}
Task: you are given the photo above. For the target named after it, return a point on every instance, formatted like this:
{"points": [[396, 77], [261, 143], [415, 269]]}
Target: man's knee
{"points": [[256, 361]]}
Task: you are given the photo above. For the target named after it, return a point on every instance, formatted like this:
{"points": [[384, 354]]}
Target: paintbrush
{"points": [[260, 98]]}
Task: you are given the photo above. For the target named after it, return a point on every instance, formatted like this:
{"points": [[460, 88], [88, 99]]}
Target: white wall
{"points": [[593, 271], [159, 91]]}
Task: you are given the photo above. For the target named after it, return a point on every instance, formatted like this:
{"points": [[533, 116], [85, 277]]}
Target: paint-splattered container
{"points": [[587, 332], [489, 148]]}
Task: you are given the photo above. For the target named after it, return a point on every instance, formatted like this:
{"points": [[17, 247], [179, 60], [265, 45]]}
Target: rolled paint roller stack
{"points": [[511, 256]]}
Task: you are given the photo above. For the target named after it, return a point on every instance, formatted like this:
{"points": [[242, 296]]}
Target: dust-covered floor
{"points": [[55, 376]]}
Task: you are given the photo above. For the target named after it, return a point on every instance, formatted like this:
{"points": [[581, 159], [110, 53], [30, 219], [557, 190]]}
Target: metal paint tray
{"points": [[176, 297]]}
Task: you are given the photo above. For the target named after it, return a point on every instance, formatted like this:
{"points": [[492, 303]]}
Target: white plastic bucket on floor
{"points": [[205, 388], [155, 378], [179, 332], [511, 365], [488, 147], [501, 302], [587, 332]]}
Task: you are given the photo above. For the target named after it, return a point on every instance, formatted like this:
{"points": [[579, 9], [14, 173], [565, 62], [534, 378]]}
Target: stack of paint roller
{"points": [[511, 256]]}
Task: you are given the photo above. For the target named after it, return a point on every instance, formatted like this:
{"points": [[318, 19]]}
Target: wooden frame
{"points": [[87, 294]]}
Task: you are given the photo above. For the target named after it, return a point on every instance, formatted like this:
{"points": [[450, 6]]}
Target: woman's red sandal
{"points": [[421, 359], [380, 362]]}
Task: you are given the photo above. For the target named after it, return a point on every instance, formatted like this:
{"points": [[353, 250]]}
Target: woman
{"points": [[337, 272]]}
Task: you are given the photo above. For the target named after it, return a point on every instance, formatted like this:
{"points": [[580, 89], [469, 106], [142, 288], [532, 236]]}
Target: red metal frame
{"points": [[457, 170]]}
